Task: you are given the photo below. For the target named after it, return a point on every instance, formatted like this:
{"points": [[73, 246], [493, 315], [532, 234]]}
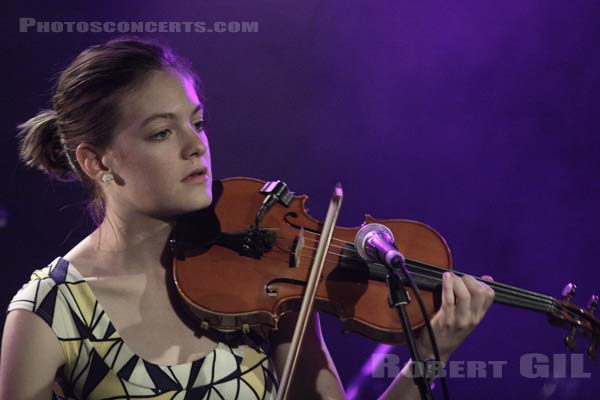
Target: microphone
{"points": [[375, 243]]}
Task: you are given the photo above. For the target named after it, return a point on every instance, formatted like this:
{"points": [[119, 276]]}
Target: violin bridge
{"points": [[297, 247]]}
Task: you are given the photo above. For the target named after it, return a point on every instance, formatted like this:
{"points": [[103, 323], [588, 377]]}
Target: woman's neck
{"points": [[129, 244]]}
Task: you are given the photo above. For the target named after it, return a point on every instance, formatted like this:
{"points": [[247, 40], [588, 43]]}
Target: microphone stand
{"points": [[375, 242], [398, 298]]}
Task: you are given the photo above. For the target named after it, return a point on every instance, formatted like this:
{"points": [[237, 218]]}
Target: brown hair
{"points": [[85, 107]]}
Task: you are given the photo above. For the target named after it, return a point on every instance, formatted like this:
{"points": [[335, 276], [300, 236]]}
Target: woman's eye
{"points": [[200, 125], [162, 135]]}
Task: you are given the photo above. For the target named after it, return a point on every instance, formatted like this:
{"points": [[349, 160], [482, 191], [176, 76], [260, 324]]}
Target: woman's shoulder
{"points": [[41, 293], [56, 275]]}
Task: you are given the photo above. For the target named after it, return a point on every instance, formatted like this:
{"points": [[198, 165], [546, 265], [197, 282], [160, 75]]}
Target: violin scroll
{"points": [[577, 320]]}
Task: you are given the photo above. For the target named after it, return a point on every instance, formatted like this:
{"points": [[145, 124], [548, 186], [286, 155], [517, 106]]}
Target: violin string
{"points": [[527, 300], [318, 235], [511, 292], [416, 266], [332, 239], [333, 245], [511, 295]]}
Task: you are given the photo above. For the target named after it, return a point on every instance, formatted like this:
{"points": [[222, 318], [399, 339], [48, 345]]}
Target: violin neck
{"points": [[430, 277]]}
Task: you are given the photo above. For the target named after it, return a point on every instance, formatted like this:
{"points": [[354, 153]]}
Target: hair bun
{"points": [[40, 146]]}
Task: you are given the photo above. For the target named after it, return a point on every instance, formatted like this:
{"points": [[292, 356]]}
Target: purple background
{"points": [[479, 119]]}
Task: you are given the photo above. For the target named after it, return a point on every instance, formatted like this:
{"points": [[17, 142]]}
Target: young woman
{"points": [[127, 121]]}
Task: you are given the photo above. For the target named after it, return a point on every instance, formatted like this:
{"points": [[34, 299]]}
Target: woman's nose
{"points": [[196, 143]]}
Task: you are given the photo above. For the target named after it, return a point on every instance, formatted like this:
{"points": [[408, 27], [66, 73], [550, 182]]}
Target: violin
{"points": [[249, 264]]}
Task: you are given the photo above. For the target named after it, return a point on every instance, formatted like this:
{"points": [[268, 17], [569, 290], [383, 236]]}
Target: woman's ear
{"points": [[91, 160]]}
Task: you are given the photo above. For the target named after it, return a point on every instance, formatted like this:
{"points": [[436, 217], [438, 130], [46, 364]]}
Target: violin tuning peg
{"points": [[570, 339], [568, 292], [592, 349], [592, 304]]}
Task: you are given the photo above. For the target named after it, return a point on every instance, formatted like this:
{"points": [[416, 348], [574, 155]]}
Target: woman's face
{"points": [[159, 141]]}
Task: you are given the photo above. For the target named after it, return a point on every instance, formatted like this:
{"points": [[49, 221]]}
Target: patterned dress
{"points": [[100, 365]]}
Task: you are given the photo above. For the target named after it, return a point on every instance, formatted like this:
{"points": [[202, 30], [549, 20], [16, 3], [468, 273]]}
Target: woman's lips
{"points": [[196, 179], [197, 176]]}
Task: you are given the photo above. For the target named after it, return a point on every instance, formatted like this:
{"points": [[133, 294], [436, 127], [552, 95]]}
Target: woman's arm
{"points": [[464, 303], [30, 358], [315, 376]]}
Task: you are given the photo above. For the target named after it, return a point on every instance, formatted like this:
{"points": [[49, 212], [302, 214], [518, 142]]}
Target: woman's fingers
{"points": [[479, 297], [463, 301], [489, 293], [471, 298], [448, 300]]}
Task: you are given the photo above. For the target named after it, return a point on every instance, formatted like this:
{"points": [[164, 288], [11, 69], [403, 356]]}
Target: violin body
{"points": [[228, 291]]}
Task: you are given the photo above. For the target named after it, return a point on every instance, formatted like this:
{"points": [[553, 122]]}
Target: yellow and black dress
{"points": [[100, 365]]}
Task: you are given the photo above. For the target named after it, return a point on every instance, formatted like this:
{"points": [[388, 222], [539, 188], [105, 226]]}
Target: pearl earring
{"points": [[107, 177]]}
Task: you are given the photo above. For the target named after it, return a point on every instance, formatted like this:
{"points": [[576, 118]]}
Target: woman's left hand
{"points": [[465, 301]]}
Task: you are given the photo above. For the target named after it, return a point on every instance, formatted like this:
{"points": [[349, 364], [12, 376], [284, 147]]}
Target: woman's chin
{"points": [[200, 203]]}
